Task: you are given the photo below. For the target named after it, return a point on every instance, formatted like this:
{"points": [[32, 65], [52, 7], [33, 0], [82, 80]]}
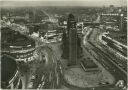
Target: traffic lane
{"points": [[57, 71], [115, 59], [95, 40], [53, 68], [24, 80], [42, 68], [104, 52], [111, 70], [47, 51], [96, 35], [57, 63], [51, 61], [121, 62], [117, 73], [59, 68], [25, 73]]}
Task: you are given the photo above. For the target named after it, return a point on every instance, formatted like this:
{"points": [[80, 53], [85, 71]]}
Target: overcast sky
{"points": [[63, 2]]}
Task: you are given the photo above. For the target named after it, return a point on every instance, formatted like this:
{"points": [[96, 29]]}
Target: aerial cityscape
{"points": [[70, 46]]}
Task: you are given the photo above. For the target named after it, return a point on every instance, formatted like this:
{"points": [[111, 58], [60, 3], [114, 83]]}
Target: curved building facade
{"points": [[17, 45], [9, 73]]}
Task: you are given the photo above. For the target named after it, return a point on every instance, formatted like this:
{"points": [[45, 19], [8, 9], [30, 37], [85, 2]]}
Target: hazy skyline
{"points": [[21, 3]]}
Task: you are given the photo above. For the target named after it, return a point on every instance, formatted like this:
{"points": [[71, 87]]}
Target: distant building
{"points": [[111, 8], [19, 19], [123, 23], [80, 27], [72, 36]]}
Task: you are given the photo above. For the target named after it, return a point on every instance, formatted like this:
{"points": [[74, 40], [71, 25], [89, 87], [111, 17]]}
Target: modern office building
{"points": [[72, 37]]}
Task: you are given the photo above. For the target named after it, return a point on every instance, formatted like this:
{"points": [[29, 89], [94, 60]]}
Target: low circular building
{"points": [[17, 45]]}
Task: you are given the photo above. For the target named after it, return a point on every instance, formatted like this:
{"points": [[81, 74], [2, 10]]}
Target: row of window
{"points": [[26, 59], [23, 51], [24, 55]]}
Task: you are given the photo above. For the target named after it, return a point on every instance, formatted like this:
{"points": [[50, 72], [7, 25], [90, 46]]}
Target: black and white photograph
{"points": [[63, 44]]}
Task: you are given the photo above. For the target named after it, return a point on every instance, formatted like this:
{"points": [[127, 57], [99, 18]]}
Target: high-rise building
{"points": [[72, 37]]}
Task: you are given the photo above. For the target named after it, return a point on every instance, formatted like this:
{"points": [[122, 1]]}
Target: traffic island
{"points": [[78, 77]]}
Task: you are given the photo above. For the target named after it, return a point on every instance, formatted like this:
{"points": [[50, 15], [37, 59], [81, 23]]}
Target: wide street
{"points": [[108, 59]]}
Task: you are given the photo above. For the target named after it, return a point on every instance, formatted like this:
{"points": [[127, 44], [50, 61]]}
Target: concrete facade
{"points": [[72, 35]]}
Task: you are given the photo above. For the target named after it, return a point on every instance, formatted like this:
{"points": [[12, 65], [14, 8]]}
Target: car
{"points": [[30, 85]]}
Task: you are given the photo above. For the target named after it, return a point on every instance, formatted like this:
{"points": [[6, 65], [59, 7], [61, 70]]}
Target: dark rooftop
{"points": [[14, 38], [89, 64], [8, 68]]}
